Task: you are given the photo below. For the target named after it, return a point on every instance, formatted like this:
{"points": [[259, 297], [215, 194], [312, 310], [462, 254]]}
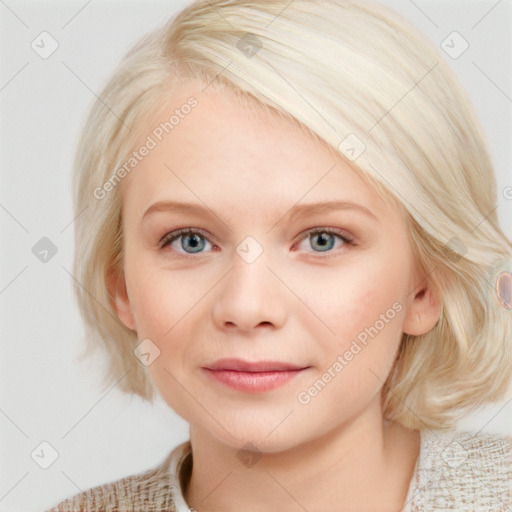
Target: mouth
{"points": [[253, 377], [256, 366]]}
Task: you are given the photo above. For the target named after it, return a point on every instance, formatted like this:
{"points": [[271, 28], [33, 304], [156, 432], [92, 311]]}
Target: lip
{"points": [[252, 377], [252, 366]]}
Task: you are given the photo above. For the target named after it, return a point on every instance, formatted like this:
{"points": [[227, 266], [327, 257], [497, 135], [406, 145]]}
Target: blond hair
{"points": [[351, 74]]}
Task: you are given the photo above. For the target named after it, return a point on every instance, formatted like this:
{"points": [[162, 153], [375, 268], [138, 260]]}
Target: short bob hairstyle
{"points": [[354, 75]]}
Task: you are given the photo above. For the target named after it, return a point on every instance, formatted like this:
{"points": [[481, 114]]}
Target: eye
{"points": [[324, 239], [185, 241], [189, 241]]}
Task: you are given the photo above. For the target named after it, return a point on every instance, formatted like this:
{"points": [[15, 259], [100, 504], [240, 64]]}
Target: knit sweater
{"points": [[455, 470]]}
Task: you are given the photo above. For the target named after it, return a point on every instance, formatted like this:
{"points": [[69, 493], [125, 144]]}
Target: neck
{"points": [[365, 465]]}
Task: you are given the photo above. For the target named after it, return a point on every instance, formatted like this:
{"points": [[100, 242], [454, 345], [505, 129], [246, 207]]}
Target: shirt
{"points": [[455, 470]]}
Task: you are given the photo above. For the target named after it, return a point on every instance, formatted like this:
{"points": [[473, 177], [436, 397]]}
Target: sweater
{"points": [[455, 470]]}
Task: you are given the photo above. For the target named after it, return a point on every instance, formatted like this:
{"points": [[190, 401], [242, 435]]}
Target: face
{"points": [[287, 257]]}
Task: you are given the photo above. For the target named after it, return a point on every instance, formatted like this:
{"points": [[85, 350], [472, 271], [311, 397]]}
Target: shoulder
{"points": [[149, 491], [463, 470]]}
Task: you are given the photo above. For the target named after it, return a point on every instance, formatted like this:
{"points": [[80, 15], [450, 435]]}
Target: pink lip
{"points": [[248, 366], [252, 377]]}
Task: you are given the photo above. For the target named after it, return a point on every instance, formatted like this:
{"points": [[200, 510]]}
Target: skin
{"points": [[294, 303]]}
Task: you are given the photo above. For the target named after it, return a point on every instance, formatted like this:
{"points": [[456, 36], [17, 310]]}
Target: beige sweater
{"points": [[455, 470]]}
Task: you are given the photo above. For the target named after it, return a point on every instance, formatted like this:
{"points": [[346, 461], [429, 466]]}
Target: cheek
{"points": [[160, 298], [163, 309], [358, 298], [153, 309], [353, 364], [169, 310]]}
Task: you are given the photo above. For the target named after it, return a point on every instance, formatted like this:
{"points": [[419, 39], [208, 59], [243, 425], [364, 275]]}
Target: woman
{"points": [[293, 241]]}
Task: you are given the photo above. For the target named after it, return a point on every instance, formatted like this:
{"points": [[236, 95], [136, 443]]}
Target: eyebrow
{"points": [[299, 210]]}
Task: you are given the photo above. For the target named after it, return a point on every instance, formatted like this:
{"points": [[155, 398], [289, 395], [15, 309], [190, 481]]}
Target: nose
{"points": [[250, 298]]}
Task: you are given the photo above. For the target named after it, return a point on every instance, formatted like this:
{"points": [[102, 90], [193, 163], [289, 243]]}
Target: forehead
{"points": [[209, 144]]}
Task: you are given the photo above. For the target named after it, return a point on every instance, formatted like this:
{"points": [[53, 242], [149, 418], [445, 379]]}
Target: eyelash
{"points": [[174, 235]]}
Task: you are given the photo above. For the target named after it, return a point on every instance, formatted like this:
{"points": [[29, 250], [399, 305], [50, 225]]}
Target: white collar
{"points": [[178, 456]]}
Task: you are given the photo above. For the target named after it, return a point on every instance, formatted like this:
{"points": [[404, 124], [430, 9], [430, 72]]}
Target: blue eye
{"points": [[191, 241], [323, 240]]}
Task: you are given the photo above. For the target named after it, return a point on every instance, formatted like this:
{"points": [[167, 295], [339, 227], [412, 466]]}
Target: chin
{"points": [[253, 441], [271, 435]]}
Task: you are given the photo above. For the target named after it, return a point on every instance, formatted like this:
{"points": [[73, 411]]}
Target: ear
{"points": [[423, 311], [119, 298]]}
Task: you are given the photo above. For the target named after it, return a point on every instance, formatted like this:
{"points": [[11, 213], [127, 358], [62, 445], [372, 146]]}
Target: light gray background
{"points": [[45, 394]]}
